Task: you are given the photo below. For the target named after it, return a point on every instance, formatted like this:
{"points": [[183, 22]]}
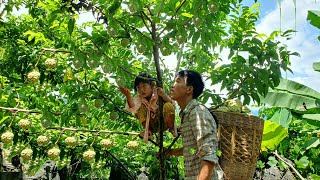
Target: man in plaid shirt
{"points": [[198, 129]]}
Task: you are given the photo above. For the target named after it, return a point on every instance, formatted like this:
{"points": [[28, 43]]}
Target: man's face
{"points": [[179, 89]]}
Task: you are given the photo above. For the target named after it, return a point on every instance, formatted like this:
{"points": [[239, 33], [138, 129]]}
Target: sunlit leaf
{"points": [[312, 143], [313, 119], [273, 134], [282, 117], [187, 15], [314, 17], [302, 162]]}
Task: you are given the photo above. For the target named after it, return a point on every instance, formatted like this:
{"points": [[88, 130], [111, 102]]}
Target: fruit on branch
{"points": [[181, 39], [133, 7], [71, 141], [112, 32], [51, 63], [26, 154], [42, 140], [89, 155], [125, 42], [140, 48], [133, 145], [98, 103], [165, 51], [197, 21], [213, 7], [106, 143], [24, 124], [77, 64], [7, 137], [114, 115], [33, 76], [54, 153], [106, 68], [83, 108], [93, 64]]}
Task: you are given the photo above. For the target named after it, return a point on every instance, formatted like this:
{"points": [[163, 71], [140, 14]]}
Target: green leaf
{"points": [[297, 88], [314, 176], [295, 54], [273, 134], [272, 161], [288, 33], [314, 17], [293, 95], [256, 41], [195, 37], [260, 164], [3, 119], [282, 117], [187, 15], [71, 25], [302, 163], [290, 101], [316, 66], [246, 100], [312, 143], [313, 119]]}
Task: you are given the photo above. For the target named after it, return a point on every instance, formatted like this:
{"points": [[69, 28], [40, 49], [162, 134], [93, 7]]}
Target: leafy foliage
{"points": [[126, 38], [301, 141]]}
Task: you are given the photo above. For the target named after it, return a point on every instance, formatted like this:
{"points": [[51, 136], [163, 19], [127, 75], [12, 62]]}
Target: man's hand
{"points": [[171, 152], [206, 170]]}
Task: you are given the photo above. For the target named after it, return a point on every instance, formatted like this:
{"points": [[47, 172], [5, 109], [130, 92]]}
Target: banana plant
{"points": [[292, 100], [302, 101]]}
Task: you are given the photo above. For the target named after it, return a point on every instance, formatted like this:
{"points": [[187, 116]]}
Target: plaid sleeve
{"points": [[204, 129]]}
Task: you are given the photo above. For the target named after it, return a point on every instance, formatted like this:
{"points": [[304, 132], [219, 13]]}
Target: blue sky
{"points": [[305, 41]]}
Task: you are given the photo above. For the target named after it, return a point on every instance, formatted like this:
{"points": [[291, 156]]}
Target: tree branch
{"points": [[131, 176], [118, 108], [91, 131], [134, 75], [144, 22], [135, 29], [56, 50], [294, 169], [20, 110], [184, 1]]}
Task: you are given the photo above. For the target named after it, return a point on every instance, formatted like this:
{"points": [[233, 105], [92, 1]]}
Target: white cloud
{"points": [[304, 41]]}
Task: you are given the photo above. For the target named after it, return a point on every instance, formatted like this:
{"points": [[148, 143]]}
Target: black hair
{"points": [[194, 79], [143, 77]]}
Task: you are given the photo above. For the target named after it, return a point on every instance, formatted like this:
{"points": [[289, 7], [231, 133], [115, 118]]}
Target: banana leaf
{"points": [[291, 101], [282, 117], [313, 119], [297, 88], [273, 134], [294, 96]]}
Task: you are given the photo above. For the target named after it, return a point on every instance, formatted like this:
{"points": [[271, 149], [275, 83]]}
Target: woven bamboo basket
{"points": [[240, 137]]}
